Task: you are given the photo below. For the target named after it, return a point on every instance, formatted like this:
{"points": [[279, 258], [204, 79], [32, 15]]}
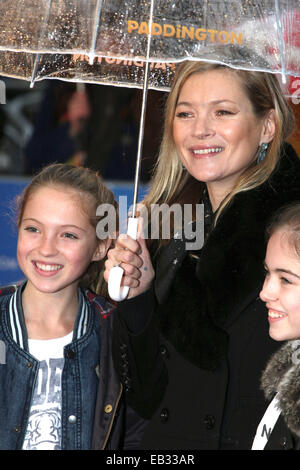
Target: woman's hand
{"points": [[134, 258]]}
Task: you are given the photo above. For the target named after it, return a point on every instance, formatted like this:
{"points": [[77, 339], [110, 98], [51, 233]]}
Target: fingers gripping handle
{"points": [[115, 290]]}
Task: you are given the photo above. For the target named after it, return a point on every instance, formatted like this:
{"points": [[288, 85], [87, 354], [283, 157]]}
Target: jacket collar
{"points": [[16, 323], [282, 376]]}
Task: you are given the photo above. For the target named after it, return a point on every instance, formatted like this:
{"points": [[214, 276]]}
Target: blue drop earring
{"points": [[262, 152]]}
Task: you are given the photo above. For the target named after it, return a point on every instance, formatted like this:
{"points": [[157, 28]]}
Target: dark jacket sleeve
{"points": [[136, 353]]}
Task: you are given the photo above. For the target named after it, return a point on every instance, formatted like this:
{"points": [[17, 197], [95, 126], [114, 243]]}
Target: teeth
{"points": [[211, 150], [274, 314], [48, 267]]}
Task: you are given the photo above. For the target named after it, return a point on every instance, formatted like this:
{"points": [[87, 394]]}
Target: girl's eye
{"points": [[284, 280], [70, 235], [31, 229]]}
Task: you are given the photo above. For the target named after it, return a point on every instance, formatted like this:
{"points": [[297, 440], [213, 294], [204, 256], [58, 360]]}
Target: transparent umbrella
{"points": [[138, 43], [60, 38]]}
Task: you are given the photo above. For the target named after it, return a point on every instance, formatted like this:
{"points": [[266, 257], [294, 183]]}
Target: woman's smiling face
{"points": [[215, 130]]}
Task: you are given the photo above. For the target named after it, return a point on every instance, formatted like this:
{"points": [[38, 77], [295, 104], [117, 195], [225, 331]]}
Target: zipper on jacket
{"points": [[113, 417]]}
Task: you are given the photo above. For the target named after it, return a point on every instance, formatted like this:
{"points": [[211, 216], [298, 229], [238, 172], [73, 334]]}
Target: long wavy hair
{"points": [[171, 184], [91, 191]]}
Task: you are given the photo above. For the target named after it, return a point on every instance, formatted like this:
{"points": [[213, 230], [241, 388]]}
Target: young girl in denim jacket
{"points": [[58, 388]]}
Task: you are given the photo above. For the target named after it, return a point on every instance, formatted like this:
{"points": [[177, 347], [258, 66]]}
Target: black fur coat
{"points": [[196, 311]]}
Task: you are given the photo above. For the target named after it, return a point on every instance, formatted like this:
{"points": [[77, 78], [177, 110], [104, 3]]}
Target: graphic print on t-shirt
{"points": [[44, 424]]}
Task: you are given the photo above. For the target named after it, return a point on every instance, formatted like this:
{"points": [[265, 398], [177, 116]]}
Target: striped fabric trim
{"points": [[84, 317], [15, 324], [15, 321]]}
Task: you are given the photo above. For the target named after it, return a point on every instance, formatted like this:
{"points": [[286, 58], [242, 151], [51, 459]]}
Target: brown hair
{"points": [[287, 218], [92, 192], [170, 184]]}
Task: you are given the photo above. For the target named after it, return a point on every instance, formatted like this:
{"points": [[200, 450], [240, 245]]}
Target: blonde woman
{"points": [[192, 338]]}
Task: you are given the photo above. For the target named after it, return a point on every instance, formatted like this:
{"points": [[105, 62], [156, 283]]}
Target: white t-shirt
{"points": [[44, 423]]}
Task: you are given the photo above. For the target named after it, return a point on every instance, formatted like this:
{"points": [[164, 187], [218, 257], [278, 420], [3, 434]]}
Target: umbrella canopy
{"points": [[138, 43], [109, 41]]}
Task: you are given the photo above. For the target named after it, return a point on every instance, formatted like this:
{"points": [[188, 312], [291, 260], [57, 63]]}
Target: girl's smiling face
{"points": [[281, 289], [56, 241]]}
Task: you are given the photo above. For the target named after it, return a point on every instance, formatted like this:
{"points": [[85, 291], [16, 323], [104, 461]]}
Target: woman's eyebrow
{"points": [[187, 103]]}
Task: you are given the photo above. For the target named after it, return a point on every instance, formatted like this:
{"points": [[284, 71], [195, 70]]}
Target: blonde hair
{"points": [[90, 188], [171, 184]]}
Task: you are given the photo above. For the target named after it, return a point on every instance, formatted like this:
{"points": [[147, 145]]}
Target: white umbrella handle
{"points": [[115, 290]]}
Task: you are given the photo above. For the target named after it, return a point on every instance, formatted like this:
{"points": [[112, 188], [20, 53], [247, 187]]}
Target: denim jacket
{"points": [[85, 381]]}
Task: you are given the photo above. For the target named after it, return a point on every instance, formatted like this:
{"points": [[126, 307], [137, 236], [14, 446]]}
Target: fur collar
{"points": [[282, 375], [195, 313]]}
